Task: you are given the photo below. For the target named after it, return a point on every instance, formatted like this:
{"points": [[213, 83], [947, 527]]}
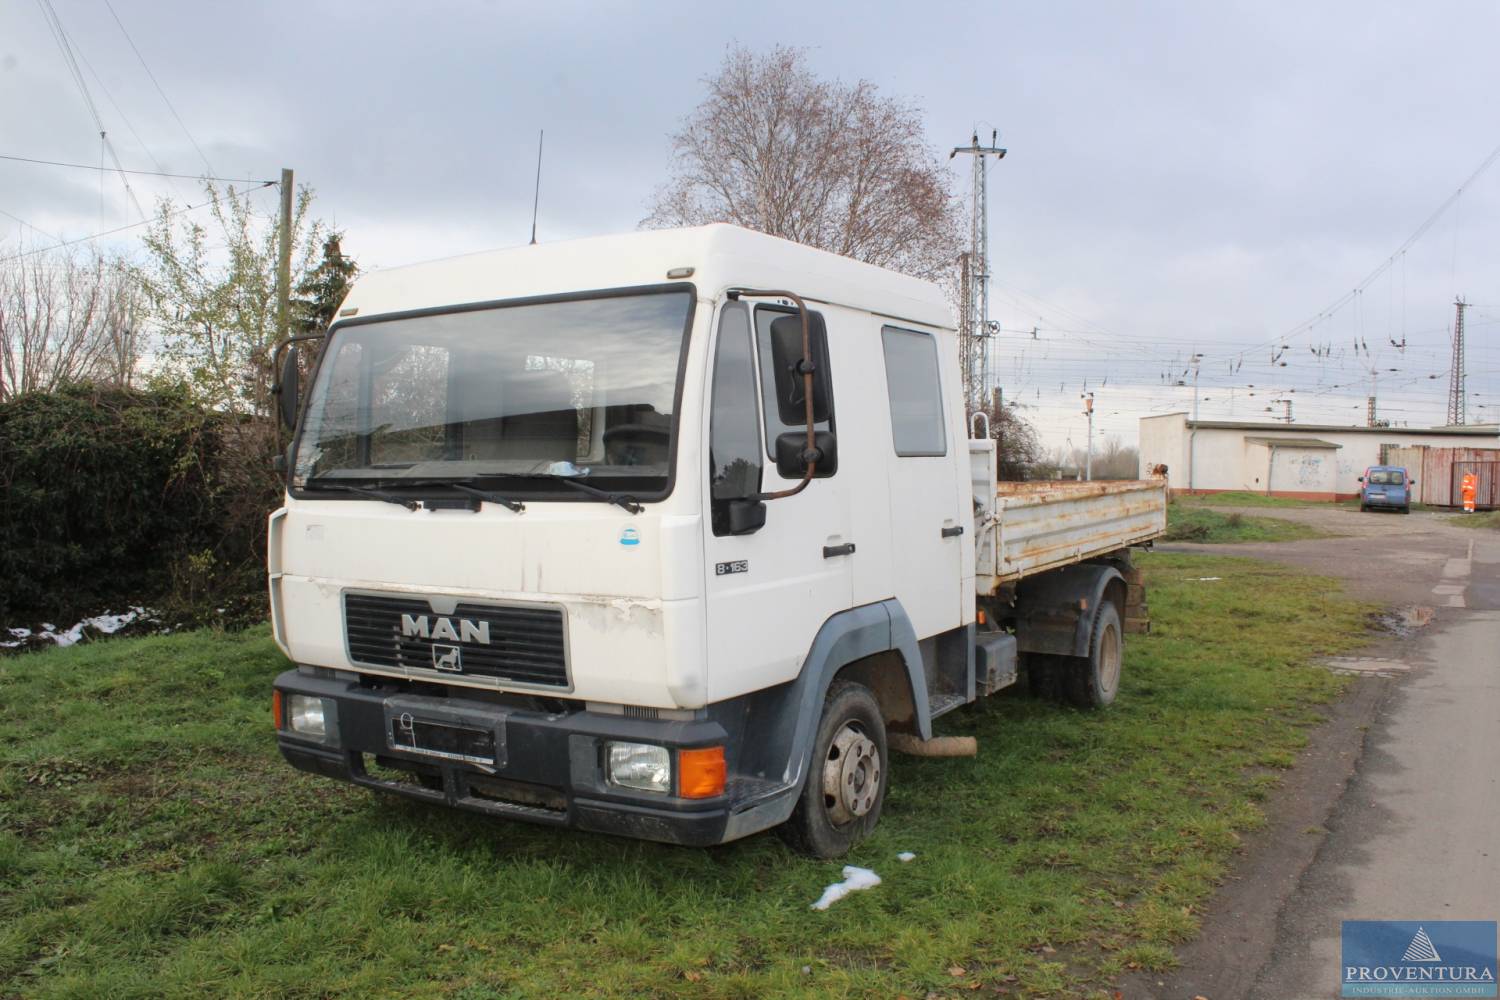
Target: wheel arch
{"points": [[1055, 611], [874, 645]]}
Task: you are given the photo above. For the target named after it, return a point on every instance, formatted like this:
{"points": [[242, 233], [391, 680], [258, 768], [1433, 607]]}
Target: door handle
{"points": [[954, 531], [847, 549]]}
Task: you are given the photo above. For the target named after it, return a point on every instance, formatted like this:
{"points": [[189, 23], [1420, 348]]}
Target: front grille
{"points": [[526, 643]]}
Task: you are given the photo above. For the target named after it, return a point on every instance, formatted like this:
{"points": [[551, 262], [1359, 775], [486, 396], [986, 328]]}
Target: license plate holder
{"points": [[418, 726]]}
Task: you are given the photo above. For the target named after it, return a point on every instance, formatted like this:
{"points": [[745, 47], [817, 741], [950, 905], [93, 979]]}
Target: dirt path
{"points": [[1392, 811]]}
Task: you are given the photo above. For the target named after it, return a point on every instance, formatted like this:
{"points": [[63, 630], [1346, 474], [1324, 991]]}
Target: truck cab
{"points": [[657, 535], [1385, 487]]}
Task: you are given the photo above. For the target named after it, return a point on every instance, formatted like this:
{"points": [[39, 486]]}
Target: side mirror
{"points": [[791, 462], [1411, 482], [746, 517], [286, 387], [788, 364], [1361, 478]]}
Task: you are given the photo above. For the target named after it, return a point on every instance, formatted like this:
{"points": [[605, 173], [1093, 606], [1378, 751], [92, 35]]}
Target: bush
{"points": [[102, 492]]}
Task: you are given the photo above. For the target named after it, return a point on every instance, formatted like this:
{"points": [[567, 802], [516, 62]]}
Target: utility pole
{"points": [[1197, 360], [1457, 411], [1088, 461], [284, 259], [975, 329]]}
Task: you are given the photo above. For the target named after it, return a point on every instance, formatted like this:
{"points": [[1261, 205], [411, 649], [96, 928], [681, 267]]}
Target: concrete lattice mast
{"points": [[1457, 411], [975, 329]]}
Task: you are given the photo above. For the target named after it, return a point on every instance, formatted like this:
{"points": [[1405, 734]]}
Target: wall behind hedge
{"points": [[102, 492]]}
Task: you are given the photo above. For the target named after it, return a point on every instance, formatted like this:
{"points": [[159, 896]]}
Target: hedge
{"points": [[102, 492]]}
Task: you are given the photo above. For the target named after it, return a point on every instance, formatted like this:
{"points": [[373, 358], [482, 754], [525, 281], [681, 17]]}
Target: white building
{"points": [[1305, 461]]}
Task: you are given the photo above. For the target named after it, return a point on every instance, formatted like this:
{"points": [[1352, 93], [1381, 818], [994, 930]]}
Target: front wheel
{"points": [[846, 776], [1094, 680]]}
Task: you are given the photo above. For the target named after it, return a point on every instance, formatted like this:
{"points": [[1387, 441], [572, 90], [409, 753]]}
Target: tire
{"points": [[1364, 508], [1406, 509], [1094, 681], [847, 776]]}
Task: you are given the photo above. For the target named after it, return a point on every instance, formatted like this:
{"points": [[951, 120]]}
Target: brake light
{"points": [[701, 773]]}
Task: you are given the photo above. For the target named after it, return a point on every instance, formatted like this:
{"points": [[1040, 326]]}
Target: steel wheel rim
{"points": [[1109, 658], [851, 775]]}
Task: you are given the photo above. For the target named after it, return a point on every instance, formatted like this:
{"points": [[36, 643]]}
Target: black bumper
{"points": [[548, 767]]}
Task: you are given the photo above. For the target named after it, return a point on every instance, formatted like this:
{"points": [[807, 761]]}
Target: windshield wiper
{"points": [[624, 500], [364, 491]]}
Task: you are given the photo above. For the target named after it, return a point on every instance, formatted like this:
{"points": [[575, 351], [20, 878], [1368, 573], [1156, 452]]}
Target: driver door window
{"points": [[734, 450]]}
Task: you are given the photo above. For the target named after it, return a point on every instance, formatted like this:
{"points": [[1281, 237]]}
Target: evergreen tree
{"points": [[322, 290]]}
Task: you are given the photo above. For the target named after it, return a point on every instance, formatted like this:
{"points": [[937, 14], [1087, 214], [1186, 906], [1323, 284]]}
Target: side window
{"points": [[764, 317], [734, 455], [916, 393]]}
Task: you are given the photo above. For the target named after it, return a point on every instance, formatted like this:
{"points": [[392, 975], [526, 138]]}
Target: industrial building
{"points": [[1311, 461]]}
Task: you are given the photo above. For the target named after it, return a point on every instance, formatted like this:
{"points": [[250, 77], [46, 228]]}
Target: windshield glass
{"points": [[575, 387], [1387, 477]]}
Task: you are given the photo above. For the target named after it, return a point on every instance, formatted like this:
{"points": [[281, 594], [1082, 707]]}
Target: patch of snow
{"points": [[855, 879], [905, 856], [105, 623], [1207, 579]]}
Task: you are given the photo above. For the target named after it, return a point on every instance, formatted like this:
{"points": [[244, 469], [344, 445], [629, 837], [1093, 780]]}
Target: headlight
{"points": [[639, 765], [305, 714]]}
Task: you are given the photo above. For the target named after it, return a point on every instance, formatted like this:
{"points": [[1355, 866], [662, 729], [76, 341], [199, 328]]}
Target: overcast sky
{"points": [[1182, 176]]}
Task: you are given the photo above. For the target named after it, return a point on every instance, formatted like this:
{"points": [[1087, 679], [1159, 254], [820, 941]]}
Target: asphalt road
{"points": [[1393, 812]]}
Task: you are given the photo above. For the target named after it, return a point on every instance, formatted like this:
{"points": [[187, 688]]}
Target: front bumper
{"points": [[548, 768]]}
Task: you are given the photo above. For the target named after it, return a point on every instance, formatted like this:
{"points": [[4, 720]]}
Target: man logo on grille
{"points": [[468, 630], [450, 658]]}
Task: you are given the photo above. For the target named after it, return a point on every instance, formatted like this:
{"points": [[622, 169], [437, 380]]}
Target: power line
{"points": [[154, 83], [28, 225], [169, 214], [60, 35], [143, 173]]}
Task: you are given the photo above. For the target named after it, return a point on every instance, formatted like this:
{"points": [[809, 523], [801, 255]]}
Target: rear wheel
{"points": [[846, 776], [1093, 681]]}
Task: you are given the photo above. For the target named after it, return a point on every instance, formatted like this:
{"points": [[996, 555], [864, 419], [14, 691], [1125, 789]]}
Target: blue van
{"points": [[1385, 486]]}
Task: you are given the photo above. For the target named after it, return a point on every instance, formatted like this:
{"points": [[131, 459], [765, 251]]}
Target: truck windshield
{"points": [[578, 387]]}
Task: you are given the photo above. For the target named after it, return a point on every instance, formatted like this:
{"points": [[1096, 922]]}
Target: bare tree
{"points": [[66, 315], [831, 165]]}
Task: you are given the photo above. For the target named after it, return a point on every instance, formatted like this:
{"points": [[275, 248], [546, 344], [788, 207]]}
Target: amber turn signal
{"points": [[701, 773], [276, 708]]}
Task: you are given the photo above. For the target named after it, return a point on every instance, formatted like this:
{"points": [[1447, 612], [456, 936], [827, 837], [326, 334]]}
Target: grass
{"points": [[153, 844], [1483, 519], [1244, 498], [1193, 523]]}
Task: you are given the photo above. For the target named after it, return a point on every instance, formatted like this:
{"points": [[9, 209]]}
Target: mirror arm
{"points": [[806, 370]]}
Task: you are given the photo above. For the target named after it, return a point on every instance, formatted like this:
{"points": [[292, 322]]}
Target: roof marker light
{"points": [[680, 272]]}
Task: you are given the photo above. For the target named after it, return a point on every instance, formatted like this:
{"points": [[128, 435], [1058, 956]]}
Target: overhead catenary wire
{"points": [[143, 173], [168, 214], [60, 36], [165, 100], [35, 229]]}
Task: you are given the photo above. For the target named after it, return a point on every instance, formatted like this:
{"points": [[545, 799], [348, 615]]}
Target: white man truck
{"points": [[660, 535]]}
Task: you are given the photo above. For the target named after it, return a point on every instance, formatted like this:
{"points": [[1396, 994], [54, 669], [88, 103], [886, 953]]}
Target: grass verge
{"points": [[1483, 519], [1245, 498], [152, 844], [1192, 523]]}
